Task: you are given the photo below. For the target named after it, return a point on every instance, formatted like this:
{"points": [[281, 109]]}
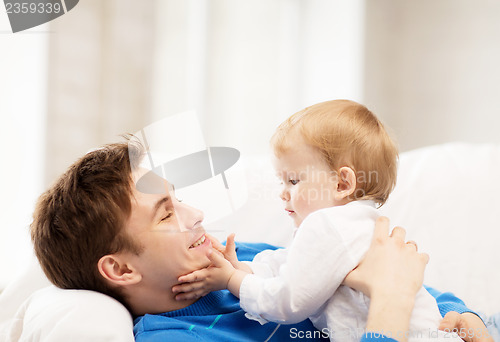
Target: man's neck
{"points": [[145, 301]]}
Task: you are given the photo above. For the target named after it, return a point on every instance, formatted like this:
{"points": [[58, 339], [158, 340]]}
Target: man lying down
{"points": [[95, 230]]}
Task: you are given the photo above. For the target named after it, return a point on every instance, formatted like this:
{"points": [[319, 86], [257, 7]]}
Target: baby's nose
{"points": [[285, 195]]}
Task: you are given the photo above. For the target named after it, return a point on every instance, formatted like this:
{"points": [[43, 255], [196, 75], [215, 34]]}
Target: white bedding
{"points": [[56, 315], [446, 197]]}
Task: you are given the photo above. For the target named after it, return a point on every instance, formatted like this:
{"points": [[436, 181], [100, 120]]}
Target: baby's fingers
{"points": [[186, 287], [193, 276], [190, 290], [230, 246], [215, 243], [217, 259], [191, 294]]}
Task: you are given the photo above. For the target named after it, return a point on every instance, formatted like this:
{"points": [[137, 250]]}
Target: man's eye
{"points": [[294, 181], [169, 215]]}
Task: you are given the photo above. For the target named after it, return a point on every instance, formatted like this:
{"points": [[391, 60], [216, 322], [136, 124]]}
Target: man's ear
{"points": [[346, 183], [115, 269]]}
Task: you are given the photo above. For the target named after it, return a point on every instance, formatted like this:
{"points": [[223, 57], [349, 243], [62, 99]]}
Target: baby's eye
{"points": [[293, 181]]}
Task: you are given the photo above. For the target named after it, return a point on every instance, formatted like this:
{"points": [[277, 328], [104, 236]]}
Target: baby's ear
{"points": [[346, 183], [116, 269]]}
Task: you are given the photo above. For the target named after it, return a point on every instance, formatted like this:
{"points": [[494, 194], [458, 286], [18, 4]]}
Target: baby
{"points": [[337, 164]]}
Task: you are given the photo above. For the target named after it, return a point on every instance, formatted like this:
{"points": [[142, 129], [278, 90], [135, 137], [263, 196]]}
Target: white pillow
{"points": [[448, 198], [28, 281], [56, 315]]}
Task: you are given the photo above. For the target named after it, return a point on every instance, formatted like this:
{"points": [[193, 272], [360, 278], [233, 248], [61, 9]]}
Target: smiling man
{"points": [[94, 230], [172, 242]]}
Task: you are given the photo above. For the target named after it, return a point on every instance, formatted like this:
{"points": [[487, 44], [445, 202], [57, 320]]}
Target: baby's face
{"points": [[308, 184]]}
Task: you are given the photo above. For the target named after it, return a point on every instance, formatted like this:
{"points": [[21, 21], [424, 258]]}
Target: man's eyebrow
{"points": [[158, 205]]}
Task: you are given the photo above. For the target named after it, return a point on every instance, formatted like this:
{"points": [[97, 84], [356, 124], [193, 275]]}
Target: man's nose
{"points": [[189, 217]]}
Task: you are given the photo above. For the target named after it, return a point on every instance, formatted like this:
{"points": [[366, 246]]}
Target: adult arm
{"points": [[390, 274], [457, 316], [386, 269], [447, 302]]}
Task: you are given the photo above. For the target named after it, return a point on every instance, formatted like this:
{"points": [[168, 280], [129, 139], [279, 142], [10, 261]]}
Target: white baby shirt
{"points": [[303, 281]]}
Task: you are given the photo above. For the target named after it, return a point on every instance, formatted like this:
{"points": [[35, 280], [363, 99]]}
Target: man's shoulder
{"points": [[150, 328], [144, 330]]}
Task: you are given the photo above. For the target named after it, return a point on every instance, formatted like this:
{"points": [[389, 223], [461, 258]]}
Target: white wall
{"points": [[247, 65], [432, 70], [23, 66]]}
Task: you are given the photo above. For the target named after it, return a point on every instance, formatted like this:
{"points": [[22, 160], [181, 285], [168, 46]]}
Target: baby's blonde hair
{"points": [[346, 133]]}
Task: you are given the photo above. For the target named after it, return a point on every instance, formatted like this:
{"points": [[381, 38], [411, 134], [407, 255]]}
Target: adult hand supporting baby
{"points": [[468, 326], [390, 274]]}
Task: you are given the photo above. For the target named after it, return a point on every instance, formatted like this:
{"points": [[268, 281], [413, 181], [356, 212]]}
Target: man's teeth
{"points": [[199, 242]]}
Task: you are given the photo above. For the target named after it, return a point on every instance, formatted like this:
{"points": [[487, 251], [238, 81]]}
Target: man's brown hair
{"points": [[81, 218]]}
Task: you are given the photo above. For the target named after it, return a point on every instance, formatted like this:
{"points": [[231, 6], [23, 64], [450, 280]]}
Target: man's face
{"points": [[171, 235]]}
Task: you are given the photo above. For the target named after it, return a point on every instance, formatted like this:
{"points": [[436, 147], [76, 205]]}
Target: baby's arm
{"points": [[316, 263], [218, 276], [267, 263]]}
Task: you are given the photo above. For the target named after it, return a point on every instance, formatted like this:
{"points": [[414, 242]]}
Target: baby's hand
{"points": [[468, 326], [229, 252], [201, 282]]}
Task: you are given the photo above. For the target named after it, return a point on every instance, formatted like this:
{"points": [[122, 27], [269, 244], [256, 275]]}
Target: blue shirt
{"points": [[218, 317]]}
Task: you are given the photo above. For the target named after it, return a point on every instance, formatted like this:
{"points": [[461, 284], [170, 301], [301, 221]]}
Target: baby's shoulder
{"points": [[351, 213]]}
